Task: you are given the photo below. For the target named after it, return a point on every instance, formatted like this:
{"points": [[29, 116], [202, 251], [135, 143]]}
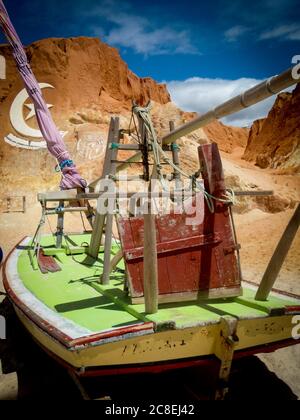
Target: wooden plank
{"points": [[253, 193], [71, 195], [24, 204], [278, 257], [96, 239], [115, 260], [129, 147], [150, 265], [110, 168], [219, 293], [58, 195], [60, 227], [121, 178], [175, 156], [51, 252], [54, 211], [47, 263], [104, 279], [175, 246], [72, 250], [212, 170], [111, 154]]}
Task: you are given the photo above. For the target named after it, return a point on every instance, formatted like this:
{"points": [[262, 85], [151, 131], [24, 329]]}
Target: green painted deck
{"points": [[76, 294]]}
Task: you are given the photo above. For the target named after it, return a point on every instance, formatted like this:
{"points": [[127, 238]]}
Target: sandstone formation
{"points": [[274, 142], [91, 83], [228, 138]]}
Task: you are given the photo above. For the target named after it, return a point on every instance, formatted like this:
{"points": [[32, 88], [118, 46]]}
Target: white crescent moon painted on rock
{"points": [[17, 117]]}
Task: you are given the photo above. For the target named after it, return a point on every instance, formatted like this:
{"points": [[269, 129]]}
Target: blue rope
{"points": [[63, 164]]}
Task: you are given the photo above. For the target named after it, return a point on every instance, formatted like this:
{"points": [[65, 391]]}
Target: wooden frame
{"points": [[10, 199]]}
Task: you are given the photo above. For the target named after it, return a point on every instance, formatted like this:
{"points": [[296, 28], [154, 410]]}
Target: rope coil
{"points": [[158, 152]]}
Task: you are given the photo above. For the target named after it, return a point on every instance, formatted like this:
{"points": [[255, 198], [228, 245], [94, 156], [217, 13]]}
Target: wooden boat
{"points": [[102, 311], [166, 296], [93, 329]]}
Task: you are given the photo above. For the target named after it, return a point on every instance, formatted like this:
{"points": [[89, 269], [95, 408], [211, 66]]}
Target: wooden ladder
{"points": [[104, 222]]}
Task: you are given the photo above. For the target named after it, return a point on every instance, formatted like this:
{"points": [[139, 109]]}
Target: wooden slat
{"points": [[58, 195], [175, 246], [60, 227], [219, 293], [71, 195], [254, 193], [68, 251], [150, 265], [107, 249], [175, 156], [129, 147], [115, 260]]}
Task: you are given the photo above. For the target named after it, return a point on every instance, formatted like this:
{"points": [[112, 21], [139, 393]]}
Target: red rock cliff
{"points": [[275, 141]]}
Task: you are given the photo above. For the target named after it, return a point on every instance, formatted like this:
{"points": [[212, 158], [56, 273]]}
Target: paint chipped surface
{"points": [[75, 303]]}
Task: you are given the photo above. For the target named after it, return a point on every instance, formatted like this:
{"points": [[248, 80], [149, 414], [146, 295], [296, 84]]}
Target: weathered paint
{"points": [[90, 325], [191, 257], [165, 346]]}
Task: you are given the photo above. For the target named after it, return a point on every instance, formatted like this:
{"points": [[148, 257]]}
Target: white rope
{"points": [[158, 151]]}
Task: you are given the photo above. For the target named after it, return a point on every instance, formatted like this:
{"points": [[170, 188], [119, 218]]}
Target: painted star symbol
{"points": [[32, 110]]}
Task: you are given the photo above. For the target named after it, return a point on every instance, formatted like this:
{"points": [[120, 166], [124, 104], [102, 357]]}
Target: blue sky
{"points": [[205, 50]]}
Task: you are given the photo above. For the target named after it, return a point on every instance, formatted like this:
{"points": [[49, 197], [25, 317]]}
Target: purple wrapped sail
{"points": [[52, 136]]}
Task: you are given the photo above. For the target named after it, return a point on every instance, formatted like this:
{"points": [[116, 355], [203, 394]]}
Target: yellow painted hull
{"points": [[123, 337], [163, 346]]}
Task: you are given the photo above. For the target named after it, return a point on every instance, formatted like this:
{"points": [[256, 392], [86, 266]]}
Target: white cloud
{"points": [[232, 34], [289, 32], [139, 33], [203, 94]]}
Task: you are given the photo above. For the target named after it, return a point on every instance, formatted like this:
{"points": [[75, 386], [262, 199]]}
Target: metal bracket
{"points": [[224, 350]]}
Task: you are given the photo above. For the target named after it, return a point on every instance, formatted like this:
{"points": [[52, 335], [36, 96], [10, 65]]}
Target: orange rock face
{"points": [[88, 71], [227, 137], [275, 141], [90, 83]]}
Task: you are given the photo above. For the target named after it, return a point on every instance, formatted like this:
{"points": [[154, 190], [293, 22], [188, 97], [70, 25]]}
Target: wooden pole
{"points": [[175, 156], [176, 161], [107, 249], [150, 263], [60, 227], [115, 260], [278, 257], [250, 97]]}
